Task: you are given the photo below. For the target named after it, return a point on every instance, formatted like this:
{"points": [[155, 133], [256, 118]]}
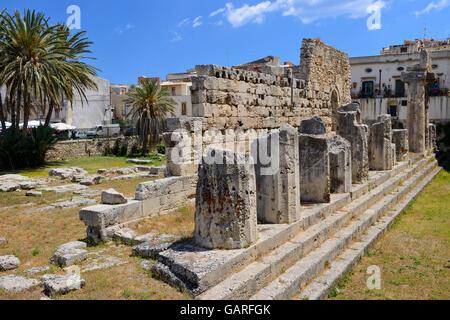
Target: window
{"points": [[367, 89], [183, 109], [403, 50], [369, 70], [399, 88], [393, 111], [174, 91]]}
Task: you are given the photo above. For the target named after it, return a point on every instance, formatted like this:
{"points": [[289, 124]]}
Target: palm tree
{"points": [[41, 63], [150, 104]]}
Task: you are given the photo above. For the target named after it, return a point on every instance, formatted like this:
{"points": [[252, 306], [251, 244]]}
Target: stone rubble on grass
{"points": [[29, 185], [89, 193], [9, 262], [125, 236], [74, 203], [149, 250], [131, 176], [36, 270], [66, 173], [91, 180], [69, 254], [13, 283], [37, 194], [13, 177], [66, 188], [113, 197], [103, 262], [9, 186], [137, 161], [61, 284]]}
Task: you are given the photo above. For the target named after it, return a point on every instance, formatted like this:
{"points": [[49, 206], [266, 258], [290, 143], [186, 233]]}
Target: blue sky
{"points": [[153, 38]]}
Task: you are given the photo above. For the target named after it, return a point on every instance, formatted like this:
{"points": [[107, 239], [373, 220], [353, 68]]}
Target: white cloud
{"points": [[183, 23], [197, 23], [434, 5], [306, 10], [218, 11]]}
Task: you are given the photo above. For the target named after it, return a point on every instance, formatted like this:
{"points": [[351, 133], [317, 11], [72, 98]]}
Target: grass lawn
{"points": [[33, 238], [90, 164], [414, 256]]}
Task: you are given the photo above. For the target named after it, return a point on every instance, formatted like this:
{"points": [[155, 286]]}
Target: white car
{"points": [[81, 135]]}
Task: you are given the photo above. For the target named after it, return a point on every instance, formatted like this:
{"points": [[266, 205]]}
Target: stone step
{"points": [[321, 286], [255, 275], [197, 270], [290, 282]]}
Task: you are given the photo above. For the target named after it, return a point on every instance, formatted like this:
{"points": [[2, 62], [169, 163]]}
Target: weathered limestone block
{"points": [[381, 155], [9, 262], [69, 254], [432, 137], [100, 217], [61, 284], [277, 176], [226, 216], [113, 197], [9, 186], [314, 159], [351, 129], [13, 283], [340, 165], [418, 77], [400, 139], [65, 173]]}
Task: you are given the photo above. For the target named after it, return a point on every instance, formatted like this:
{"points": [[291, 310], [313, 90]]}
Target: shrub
{"points": [[123, 149], [161, 149], [116, 148], [19, 151]]}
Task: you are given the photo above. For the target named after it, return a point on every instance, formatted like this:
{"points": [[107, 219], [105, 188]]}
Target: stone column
{"points": [[381, 151], [400, 139], [277, 176], [225, 216], [183, 140], [314, 161], [340, 165], [418, 77], [432, 137], [351, 128]]}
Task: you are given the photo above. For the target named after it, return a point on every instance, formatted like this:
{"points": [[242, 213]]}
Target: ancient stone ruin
{"points": [[226, 216], [418, 78], [381, 149], [277, 176], [291, 190], [314, 161], [351, 128]]}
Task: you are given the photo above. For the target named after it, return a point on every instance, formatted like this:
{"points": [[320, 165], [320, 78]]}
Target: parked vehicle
{"points": [[130, 132], [104, 131], [81, 135]]}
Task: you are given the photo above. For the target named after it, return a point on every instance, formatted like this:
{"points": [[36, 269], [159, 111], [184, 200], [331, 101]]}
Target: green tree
{"points": [[150, 105], [41, 64]]}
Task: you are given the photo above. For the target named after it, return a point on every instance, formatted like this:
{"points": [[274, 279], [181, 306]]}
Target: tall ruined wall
{"points": [[238, 100], [325, 69]]}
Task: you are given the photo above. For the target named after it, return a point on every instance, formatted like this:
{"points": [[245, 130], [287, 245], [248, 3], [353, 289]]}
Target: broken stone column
{"points": [[340, 165], [432, 137], [314, 161], [351, 129], [183, 145], [381, 152], [418, 77], [277, 176], [400, 139], [225, 216]]}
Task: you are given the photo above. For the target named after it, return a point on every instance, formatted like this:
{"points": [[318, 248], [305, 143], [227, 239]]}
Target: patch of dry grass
{"points": [[179, 223], [413, 256]]}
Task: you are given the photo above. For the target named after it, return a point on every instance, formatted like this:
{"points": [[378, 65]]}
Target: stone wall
{"points": [[243, 104], [85, 148]]}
